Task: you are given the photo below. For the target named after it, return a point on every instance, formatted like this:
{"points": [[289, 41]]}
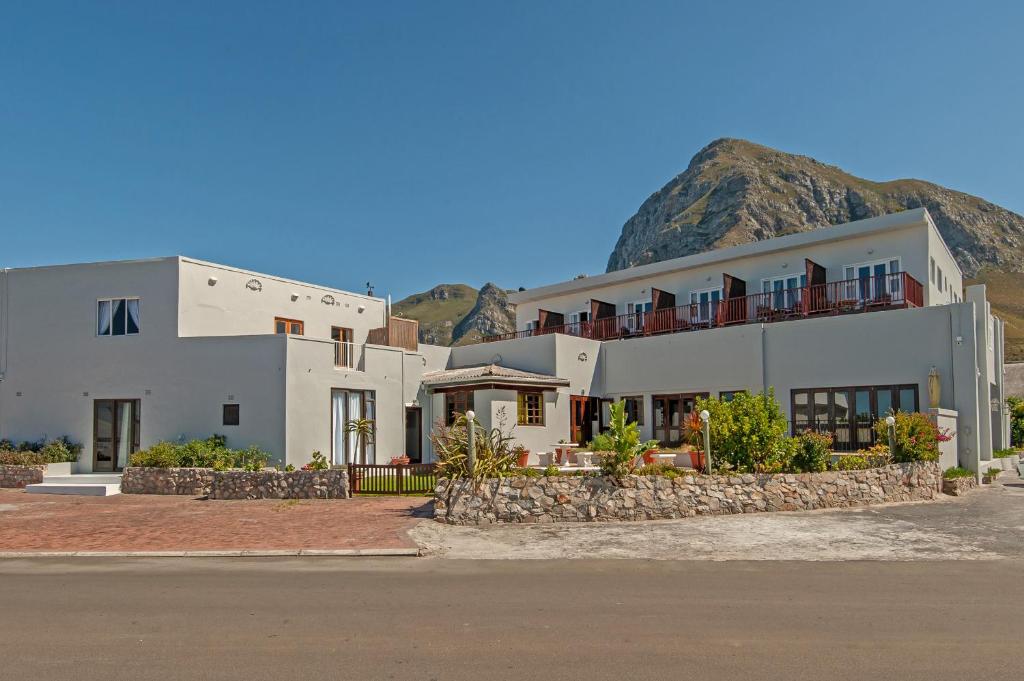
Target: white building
{"points": [[121, 355], [844, 323]]}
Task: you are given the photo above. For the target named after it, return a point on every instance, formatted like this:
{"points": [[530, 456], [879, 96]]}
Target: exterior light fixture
{"points": [[295, 296], [212, 281]]}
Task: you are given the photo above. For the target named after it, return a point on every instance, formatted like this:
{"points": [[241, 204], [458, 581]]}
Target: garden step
{"points": [[79, 488]]}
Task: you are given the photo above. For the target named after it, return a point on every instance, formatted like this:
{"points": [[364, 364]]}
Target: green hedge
{"points": [[209, 453], [61, 450]]}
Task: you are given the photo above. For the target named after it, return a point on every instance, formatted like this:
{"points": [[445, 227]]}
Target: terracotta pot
{"points": [[697, 460], [523, 459], [649, 456]]}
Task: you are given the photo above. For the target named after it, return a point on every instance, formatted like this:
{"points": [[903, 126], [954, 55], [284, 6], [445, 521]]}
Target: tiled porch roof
{"points": [[489, 374]]}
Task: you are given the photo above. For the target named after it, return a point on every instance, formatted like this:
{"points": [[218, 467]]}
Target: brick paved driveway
{"points": [[129, 522]]}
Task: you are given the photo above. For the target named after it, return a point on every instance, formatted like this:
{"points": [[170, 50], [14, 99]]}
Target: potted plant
{"points": [[991, 474], [522, 456], [402, 460], [649, 456]]}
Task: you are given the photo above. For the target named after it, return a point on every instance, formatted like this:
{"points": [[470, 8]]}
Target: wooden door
{"points": [[581, 417], [115, 434]]}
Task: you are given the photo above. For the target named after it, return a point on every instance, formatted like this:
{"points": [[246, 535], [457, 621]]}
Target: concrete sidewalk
{"points": [[183, 526]]}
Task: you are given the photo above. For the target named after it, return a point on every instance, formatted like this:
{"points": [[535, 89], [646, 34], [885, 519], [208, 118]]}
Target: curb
{"points": [[242, 553]]}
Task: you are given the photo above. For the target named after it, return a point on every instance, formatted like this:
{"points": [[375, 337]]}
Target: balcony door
{"points": [[581, 420], [874, 281], [115, 434]]}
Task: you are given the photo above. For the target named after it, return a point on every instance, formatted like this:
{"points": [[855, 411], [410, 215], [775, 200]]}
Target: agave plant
{"points": [[626, 445], [495, 455]]}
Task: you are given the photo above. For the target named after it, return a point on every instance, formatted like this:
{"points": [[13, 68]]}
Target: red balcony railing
{"points": [[833, 298]]}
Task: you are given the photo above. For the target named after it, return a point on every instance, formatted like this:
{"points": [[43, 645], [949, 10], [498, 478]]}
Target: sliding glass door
{"points": [[347, 446], [115, 434]]}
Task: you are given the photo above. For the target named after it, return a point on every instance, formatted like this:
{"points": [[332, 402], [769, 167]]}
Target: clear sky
{"points": [[410, 144]]}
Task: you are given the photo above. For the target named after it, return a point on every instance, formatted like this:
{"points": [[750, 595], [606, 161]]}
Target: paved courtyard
{"points": [[127, 522]]}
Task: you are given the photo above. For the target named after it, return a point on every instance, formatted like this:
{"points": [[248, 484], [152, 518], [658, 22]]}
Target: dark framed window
{"points": [[727, 395], [231, 415], [118, 317], [455, 403], [849, 413], [634, 409], [295, 327], [530, 409]]}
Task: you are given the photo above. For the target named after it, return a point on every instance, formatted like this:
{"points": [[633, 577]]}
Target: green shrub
{"points": [[851, 462], [318, 463], [626, 446], [15, 458], [916, 439], [748, 433], [993, 473], [1016, 405], [813, 452], [956, 472], [495, 455], [1003, 453], [57, 451], [663, 469], [209, 453], [602, 442], [528, 472], [552, 471]]}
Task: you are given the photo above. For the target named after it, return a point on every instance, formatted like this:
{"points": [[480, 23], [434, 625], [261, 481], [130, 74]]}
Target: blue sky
{"points": [[415, 143]]}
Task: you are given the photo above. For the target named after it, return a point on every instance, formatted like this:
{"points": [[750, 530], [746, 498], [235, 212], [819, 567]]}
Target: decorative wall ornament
{"points": [[254, 285], [328, 299], [934, 388], [582, 357]]}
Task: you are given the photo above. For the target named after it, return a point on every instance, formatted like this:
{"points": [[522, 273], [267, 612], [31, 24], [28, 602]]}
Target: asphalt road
{"points": [[407, 618]]}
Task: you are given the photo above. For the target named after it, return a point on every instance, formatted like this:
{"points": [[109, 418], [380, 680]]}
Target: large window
{"points": [[706, 301], [871, 280], [294, 327], [348, 446], [455, 403], [117, 317], [530, 409], [785, 290], [849, 414]]}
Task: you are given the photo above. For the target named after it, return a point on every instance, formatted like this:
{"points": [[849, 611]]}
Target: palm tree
{"points": [[364, 430]]}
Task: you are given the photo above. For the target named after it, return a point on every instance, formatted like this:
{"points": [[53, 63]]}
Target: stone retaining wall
{"points": [[587, 499], [19, 476], [958, 486], [329, 484], [193, 482]]}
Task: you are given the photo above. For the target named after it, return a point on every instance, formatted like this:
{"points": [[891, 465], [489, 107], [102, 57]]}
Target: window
{"points": [[289, 326], [939, 276], [117, 317], [344, 349], [348, 446], [530, 409], [707, 301], [727, 395], [849, 414], [456, 403], [873, 280], [634, 409], [577, 317], [635, 312], [231, 415], [786, 290], [932, 268]]}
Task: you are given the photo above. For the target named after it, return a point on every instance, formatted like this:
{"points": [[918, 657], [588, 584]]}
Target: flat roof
{"points": [[848, 230]]}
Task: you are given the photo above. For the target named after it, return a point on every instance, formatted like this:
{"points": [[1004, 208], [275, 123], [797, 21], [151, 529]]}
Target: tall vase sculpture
{"points": [[934, 388]]}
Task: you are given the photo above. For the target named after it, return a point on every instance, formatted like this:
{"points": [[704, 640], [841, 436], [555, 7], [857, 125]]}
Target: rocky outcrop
{"points": [[561, 499], [735, 191], [491, 315]]}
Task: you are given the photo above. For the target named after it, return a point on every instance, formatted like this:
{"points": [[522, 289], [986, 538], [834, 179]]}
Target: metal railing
{"points": [[839, 297], [416, 478]]}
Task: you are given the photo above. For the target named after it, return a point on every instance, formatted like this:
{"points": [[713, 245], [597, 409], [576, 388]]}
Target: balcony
{"points": [[851, 296]]}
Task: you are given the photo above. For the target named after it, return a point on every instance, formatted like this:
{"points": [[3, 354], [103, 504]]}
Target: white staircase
{"points": [[85, 484]]}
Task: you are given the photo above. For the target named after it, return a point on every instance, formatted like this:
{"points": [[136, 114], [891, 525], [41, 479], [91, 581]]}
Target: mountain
{"points": [[735, 191], [457, 314]]}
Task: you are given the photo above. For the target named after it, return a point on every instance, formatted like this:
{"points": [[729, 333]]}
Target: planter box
{"points": [[193, 482], [329, 484], [956, 487], [17, 477]]}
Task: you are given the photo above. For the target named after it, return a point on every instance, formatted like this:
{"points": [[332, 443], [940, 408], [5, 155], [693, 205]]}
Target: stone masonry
{"points": [[20, 476], [193, 482], [267, 484], [329, 484], [593, 498], [956, 487]]}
